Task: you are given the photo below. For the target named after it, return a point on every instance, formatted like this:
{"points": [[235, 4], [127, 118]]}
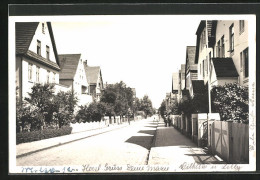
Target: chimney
{"points": [[86, 62]]}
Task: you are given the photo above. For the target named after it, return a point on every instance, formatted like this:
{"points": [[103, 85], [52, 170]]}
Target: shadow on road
{"points": [[168, 136], [144, 141], [205, 159], [150, 132]]}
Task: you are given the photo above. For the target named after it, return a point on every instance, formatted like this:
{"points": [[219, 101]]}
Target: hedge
{"points": [[24, 137]]}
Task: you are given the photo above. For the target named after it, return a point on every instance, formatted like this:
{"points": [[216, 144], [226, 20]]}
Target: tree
{"points": [[147, 106], [119, 97], [162, 109], [93, 112], [41, 100], [231, 102], [64, 104]]}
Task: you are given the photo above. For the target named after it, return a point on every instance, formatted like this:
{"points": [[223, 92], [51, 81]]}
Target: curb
{"points": [[153, 144], [60, 144]]}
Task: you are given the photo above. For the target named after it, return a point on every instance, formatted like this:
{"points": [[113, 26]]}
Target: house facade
{"points": [[36, 56], [73, 76], [220, 51], [191, 72], [232, 42], [95, 80]]}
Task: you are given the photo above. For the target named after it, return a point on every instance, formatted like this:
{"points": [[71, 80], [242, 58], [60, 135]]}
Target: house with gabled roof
{"points": [[95, 80], [232, 43], [37, 58], [73, 75], [218, 61]]}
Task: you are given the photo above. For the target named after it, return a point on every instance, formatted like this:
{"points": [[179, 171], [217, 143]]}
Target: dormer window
{"points": [[38, 47], [43, 28], [48, 52]]}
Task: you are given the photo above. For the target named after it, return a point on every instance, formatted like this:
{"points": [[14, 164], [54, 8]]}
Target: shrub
{"points": [[28, 117], [64, 104], [42, 98], [24, 137], [231, 102], [93, 112]]}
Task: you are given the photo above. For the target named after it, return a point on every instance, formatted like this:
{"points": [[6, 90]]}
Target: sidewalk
{"points": [[25, 149], [171, 147]]}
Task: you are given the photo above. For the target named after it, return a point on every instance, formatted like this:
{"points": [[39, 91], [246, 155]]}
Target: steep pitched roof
{"points": [[24, 32], [92, 73], [69, 64], [198, 86], [224, 67], [190, 54], [211, 29]]}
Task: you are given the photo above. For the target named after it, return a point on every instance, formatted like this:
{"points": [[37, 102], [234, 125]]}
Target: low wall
{"points": [[194, 127], [80, 127]]}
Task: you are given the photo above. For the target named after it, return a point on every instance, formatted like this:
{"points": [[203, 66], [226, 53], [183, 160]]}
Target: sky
{"points": [[142, 51]]}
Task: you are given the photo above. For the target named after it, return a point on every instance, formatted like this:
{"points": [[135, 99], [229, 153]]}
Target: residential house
{"points": [[205, 48], [95, 81], [175, 87], [191, 72], [175, 82], [226, 52], [232, 44], [182, 92], [73, 75], [37, 59]]}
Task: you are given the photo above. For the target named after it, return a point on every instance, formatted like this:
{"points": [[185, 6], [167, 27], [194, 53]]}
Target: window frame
{"points": [[241, 26], [222, 42], [39, 49], [246, 63], [231, 38], [30, 71], [47, 52], [48, 76], [37, 73]]}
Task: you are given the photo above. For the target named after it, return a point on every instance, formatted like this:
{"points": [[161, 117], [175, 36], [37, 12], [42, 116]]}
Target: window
{"points": [[53, 78], [203, 68], [43, 28], [206, 65], [209, 60], [241, 61], [38, 47], [37, 73], [222, 47], [48, 52], [218, 49], [244, 62], [200, 69], [231, 38], [30, 71], [241, 26], [48, 76], [245, 57]]}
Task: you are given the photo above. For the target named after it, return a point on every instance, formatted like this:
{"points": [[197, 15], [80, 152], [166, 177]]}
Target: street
{"points": [[141, 143], [128, 145]]}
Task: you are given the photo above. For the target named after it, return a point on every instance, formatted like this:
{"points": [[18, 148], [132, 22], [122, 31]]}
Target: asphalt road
{"points": [[127, 145]]}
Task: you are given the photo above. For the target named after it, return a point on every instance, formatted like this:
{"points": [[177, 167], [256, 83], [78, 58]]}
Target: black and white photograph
{"points": [[132, 93]]}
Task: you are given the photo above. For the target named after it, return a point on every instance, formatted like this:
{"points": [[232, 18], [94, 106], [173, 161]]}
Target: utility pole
{"points": [[209, 63]]}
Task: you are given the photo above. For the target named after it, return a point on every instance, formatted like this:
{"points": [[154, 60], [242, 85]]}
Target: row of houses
{"points": [[220, 57], [38, 61]]}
